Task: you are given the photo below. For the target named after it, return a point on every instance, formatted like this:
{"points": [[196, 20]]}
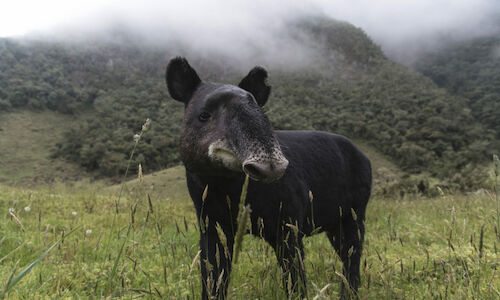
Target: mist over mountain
{"points": [[246, 30]]}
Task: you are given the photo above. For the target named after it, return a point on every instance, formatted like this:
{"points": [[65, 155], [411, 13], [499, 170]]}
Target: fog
{"points": [[254, 30], [406, 28]]}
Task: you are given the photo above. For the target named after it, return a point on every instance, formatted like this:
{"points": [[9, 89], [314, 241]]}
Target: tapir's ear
{"points": [[255, 83], [182, 79]]}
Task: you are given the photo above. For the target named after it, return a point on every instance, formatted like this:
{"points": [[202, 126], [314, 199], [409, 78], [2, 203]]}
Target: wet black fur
{"points": [[329, 165]]}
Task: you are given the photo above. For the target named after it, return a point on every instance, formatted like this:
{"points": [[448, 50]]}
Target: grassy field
{"points": [[416, 248]]}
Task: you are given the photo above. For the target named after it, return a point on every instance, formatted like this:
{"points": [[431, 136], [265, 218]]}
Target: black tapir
{"points": [[303, 182]]}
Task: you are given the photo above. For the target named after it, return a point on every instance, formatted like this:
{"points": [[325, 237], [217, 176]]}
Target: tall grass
{"points": [[13, 280], [417, 248]]}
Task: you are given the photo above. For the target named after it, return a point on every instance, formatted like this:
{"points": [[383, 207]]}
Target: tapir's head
{"points": [[224, 129]]}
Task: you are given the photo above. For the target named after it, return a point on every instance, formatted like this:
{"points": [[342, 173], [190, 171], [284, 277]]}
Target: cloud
{"points": [[405, 28], [27, 16], [249, 27]]}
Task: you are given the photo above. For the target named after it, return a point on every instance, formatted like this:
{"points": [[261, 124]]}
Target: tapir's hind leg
{"points": [[347, 239]]}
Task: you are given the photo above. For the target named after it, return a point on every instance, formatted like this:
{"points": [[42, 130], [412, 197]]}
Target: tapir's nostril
{"points": [[267, 171], [254, 171]]}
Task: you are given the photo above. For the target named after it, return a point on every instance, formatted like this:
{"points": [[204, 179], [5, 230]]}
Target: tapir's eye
{"points": [[204, 116]]}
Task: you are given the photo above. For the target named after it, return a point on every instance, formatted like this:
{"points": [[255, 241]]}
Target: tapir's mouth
{"points": [[225, 156], [264, 169]]}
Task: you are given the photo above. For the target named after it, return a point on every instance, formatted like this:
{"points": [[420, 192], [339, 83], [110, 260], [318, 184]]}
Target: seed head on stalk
{"points": [[243, 217]]}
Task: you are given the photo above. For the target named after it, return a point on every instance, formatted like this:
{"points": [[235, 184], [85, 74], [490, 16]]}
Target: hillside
{"points": [[470, 69], [348, 86], [27, 139]]}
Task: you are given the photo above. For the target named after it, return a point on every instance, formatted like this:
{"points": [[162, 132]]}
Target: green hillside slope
{"points": [[470, 69], [26, 141]]}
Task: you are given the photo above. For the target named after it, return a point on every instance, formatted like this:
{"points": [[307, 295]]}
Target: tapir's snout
{"points": [[265, 171]]}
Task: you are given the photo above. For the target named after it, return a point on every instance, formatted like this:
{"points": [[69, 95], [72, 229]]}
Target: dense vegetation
{"points": [[470, 69], [111, 89], [348, 87]]}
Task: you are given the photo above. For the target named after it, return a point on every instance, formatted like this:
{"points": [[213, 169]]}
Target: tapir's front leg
{"points": [[216, 255], [290, 254], [217, 226]]}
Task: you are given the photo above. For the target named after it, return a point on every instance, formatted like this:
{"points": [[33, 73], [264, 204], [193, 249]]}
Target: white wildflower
{"points": [[12, 210], [74, 213], [27, 209], [88, 231], [137, 137], [145, 126]]}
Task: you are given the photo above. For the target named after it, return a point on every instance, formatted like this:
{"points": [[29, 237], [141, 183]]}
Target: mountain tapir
{"points": [[302, 182]]}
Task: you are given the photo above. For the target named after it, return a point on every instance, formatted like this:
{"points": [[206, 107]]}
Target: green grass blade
{"points": [[25, 272], [115, 266], [496, 166]]}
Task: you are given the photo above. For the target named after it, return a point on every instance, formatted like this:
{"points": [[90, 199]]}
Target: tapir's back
{"points": [[333, 168]]}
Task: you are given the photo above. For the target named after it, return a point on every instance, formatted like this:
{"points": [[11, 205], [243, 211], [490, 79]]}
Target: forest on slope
{"points": [[348, 87], [470, 69]]}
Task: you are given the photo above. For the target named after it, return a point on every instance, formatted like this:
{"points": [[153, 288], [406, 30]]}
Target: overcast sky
{"points": [[398, 26]]}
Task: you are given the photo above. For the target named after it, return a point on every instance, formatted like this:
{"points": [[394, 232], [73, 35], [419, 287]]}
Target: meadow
{"points": [[138, 240]]}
